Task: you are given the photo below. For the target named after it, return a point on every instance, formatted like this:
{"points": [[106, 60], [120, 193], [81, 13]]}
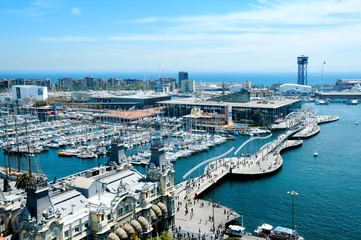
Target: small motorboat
{"points": [[315, 154], [356, 123]]}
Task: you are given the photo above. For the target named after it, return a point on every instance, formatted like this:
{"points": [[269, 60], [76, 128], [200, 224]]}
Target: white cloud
{"points": [[69, 39], [268, 36], [43, 3], [76, 11]]}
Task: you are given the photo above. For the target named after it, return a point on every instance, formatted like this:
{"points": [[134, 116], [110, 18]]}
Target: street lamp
{"points": [[293, 194], [214, 229]]}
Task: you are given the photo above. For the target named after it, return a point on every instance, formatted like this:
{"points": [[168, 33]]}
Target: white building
{"points": [[290, 88], [24, 92]]}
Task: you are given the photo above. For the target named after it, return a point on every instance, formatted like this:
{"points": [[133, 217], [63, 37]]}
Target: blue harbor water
{"points": [[328, 204]]}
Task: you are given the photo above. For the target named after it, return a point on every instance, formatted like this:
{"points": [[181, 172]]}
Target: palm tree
{"points": [[23, 180]]}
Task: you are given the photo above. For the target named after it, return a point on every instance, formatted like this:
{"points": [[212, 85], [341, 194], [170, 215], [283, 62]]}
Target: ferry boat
{"points": [[235, 230], [282, 233]]}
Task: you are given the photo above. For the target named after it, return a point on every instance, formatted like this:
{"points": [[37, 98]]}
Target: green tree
{"points": [[22, 180], [163, 236], [134, 236], [258, 118], [40, 103]]}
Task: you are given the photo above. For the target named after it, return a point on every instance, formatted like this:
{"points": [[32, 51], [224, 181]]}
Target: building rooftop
{"points": [[28, 86], [136, 96], [346, 93], [350, 80], [270, 104], [134, 114]]}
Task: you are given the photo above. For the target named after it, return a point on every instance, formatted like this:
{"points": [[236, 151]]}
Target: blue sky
{"points": [[196, 36]]}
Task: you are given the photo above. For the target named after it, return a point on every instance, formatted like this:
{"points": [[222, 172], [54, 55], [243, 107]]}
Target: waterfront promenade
{"points": [[266, 161], [204, 219], [196, 218]]}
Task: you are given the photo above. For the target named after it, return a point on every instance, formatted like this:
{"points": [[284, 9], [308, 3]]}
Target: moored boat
{"points": [[65, 154], [282, 233], [264, 230], [235, 230]]}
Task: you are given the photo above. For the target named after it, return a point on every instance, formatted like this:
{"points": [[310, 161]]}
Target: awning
{"points": [[163, 207], [112, 236], [136, 225], [128, 229], [157, 210], [152, 215], [121, 233], [144, 222]]}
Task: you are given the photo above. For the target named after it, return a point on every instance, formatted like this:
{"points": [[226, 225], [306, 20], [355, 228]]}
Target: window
{"points": [[86, 225], [76, 229], [66, 233], [127, 208], [120, 211], [109, 216]]}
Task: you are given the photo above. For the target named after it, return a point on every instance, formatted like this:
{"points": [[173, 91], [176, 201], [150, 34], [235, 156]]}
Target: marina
{"points": [[192, 160]]}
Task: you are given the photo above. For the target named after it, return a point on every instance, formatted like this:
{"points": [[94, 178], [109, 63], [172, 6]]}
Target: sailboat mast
{"points": [[7, 146], [26, 133], [17, 143]]}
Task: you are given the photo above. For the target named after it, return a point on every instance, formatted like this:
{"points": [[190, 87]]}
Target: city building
{"points": [[188, 86], [339, 96], [261, 93], [5, 83], [113, 201], [66, 83], [126, 102], [182, 76], [241, 96], [200, 120], [346, 84], [36, 82], [302, 62], [23, 81], [295, 89], [25, 94], [233, 105]]}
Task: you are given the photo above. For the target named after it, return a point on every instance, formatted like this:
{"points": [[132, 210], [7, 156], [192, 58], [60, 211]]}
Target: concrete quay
{"points": [[196, 218]]}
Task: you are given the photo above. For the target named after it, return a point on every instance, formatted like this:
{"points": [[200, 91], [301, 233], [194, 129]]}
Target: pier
{"points": [[265, 161]]}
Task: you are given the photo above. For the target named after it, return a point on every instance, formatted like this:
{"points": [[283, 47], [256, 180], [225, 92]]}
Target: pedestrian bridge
{"points": [[266, 160]]}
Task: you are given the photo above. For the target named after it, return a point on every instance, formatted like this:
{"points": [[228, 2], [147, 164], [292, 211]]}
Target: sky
{"points": [[187, 35]]}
